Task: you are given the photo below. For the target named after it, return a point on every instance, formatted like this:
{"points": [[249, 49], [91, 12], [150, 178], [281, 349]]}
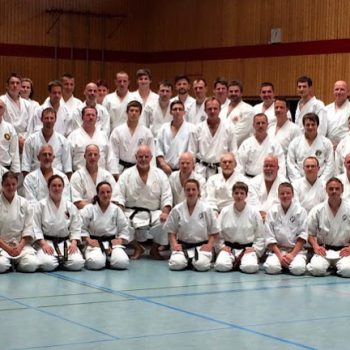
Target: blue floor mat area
{"points": [[150, 307]]}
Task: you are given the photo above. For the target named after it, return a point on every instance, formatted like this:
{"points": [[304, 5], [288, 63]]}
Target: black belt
{"points": [[191, 245], [238, 245], [214, 166], [249, 175], [334, 247], [125, 164], [238, 259], [13, 263], [8, 167], [138, 210], [186, 246], [102, 239], [56, 240]]}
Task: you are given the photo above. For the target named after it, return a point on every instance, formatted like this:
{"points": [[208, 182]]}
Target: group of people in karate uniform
{"points": [[238, 237], [211, 181], [51, 235]]}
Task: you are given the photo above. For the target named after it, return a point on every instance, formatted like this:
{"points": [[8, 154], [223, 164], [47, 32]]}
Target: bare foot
{"points": [[139, 250], [154, 252]]}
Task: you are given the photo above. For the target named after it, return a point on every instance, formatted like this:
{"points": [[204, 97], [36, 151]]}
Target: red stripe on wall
{"points": [[206, 54]]}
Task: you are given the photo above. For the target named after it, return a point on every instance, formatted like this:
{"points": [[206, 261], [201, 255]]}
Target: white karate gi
{"points": [[152, 98], [189, 110], [330, 230], [219, 190], [9, 149], [197, 113], [288, 132], [242, 118], [251, 155], [61, 149], [208, 148], [226, 103], [79, 139], [346, 183], [72, 103], [284, 229], [60, 222], [116, 108], [103, 122], [35, 186], [153, 117], [312, 106], [84, 188], [243, 228], [16, 222], [258, 195], [63, 123], [177, 189], [194, 228], [170, 146], [337, 121], [309, 195], [154, 195], [341, 151], [33, 105], [269, 112], [299, 149], [123, 145], [112, 223], [17, 116]]}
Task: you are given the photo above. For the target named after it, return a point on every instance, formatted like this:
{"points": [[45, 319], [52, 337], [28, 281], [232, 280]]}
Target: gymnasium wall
{"points": [[93, 39], [43, 45], [311, 33]]}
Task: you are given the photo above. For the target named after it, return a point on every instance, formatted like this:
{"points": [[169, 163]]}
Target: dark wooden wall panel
{"points": [[282, 71]]}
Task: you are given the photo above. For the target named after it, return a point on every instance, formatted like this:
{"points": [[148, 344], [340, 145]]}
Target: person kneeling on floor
{"points": [[329, 233], [193, 230], [242, 234], [286, 234]]}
